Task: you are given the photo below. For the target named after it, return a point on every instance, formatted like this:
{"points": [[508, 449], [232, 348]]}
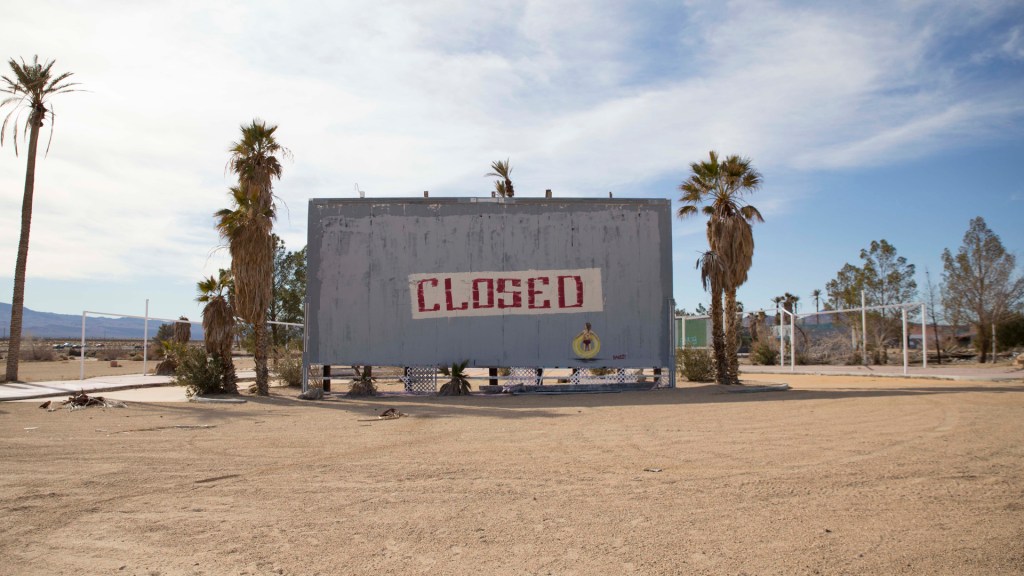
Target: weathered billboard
{"points": [[497, 282]]}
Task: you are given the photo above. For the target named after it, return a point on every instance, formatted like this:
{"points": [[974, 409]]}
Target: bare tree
{"points": [[980, 283], [933, 313]]}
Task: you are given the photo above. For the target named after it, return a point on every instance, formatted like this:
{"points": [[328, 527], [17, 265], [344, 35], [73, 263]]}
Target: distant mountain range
{"points": [[69, 326]]}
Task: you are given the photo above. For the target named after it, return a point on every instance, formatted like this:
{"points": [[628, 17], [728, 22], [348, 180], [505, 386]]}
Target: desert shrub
{"points": [[156, 350], [289, 365], [457, 385], [603, 371], [33, 349], [764, 354], [114, 353], [197, 372], [696, 364], [825, 348], [172, 353], [363, 384]]}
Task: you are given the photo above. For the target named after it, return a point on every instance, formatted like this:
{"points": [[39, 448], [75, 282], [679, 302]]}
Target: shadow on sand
{"points": [[283, 402]]}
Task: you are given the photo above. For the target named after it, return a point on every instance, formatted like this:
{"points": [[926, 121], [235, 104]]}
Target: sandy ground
{"points": [[840, 475]]}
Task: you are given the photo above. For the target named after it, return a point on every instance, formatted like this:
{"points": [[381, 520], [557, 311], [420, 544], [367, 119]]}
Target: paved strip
{"points": [[31, 390]]}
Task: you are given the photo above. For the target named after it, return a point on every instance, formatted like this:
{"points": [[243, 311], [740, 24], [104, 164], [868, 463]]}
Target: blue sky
{"points": [[895, 120]]}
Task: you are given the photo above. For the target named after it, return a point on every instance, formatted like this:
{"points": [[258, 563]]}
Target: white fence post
{"points": [[81, 357], [903, 342], [924, 337], [145, 339]]}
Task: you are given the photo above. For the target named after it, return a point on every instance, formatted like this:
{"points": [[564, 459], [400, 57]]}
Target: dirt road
{"points": [[837, 476]]}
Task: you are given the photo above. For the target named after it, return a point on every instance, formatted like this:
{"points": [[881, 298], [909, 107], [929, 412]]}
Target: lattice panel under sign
{"points": [[421, 379], [520, 376]]}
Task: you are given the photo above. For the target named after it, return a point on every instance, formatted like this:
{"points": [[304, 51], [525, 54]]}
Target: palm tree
{"points": [[789, 302], [30, 88], [816, 294], [254, 158], [458, 383], [718, 186], [182, 330], [778, 300], [714, 272], [219, 324], [502, 170]]}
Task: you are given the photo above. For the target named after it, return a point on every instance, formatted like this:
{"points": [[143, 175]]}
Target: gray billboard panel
{"points": [[497, 282]]}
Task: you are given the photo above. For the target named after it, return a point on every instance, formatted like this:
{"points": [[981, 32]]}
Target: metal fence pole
{"points": [[924, 337], [81, 357], [904, 340], [145, 339]]}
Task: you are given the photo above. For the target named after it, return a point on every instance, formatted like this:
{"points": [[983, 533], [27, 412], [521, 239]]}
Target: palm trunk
{"points": [[262, 374], [718, 334], [732, 337], [229, 381], [18, 298]]}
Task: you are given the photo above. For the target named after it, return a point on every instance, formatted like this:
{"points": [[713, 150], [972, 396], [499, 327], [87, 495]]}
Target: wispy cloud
{"points": [[408, 96]]}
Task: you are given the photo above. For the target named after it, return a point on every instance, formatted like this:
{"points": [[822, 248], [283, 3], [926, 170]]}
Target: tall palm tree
{"points": [[714, 272], [219, 324], [30, 88], [502, 170], [718, 186], [255, 159]]}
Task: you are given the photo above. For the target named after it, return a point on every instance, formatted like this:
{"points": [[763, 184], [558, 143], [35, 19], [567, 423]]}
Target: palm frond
{"points": [[31, 87]]}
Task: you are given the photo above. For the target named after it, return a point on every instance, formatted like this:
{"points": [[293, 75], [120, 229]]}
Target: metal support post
{"points": [[145, 340], [305, 347], [903, 341], [81, 357], [924, 337], [792, 342], [864, 327]]}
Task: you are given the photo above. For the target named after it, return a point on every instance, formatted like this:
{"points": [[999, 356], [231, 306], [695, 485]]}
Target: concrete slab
{"points": [[1004, 373], [102, 385]]}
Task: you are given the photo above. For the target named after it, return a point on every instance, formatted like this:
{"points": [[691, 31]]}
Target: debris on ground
{"points": [[45, 404], [312, 394], [652, 469], [390, 414], [83, 400]]}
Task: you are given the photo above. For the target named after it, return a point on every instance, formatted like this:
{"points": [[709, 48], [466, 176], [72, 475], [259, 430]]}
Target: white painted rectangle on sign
{"points": [[522, 292]]}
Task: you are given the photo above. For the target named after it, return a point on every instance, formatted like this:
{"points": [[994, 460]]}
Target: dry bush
{"points": [[112, 353], [833, 348], [198, 373], [696, 364], [35, 350], [764, 352], [363, 384], [288, 364]]}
